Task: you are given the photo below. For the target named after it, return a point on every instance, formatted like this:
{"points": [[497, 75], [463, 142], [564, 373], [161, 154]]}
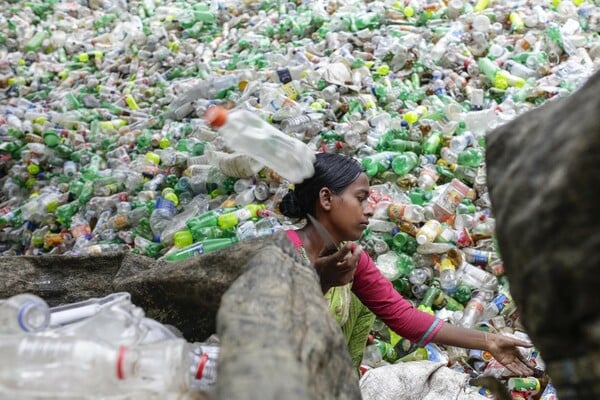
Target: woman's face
{"points": [[350, 210]]}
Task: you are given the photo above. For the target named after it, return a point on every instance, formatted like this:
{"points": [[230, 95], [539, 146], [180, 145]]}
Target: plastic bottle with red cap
{"points": [[76, 366], [247, 133], [204, 359]]}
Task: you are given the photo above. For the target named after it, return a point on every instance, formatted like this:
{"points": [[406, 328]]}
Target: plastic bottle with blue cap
{"points": [[23, 313]]}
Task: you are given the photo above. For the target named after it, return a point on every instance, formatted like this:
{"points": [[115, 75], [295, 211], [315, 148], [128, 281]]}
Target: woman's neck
{"points": [[311, 240]]}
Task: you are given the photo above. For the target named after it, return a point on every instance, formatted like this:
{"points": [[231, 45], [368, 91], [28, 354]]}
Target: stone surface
{"points": [[543, 174], [278, 339], [274, 318]]}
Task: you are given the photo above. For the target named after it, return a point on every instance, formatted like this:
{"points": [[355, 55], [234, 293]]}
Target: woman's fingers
{"points": [[333, 253], [521, 343], [337, 268], [518, 368]]}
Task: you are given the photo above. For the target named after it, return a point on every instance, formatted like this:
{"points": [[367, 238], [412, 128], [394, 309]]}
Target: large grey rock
{"points": [[543, 176], [278, 339], [274, 318]]}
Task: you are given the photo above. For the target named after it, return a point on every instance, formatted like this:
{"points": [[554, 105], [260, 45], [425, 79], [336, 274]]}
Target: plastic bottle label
{"points": [[449, 200]]}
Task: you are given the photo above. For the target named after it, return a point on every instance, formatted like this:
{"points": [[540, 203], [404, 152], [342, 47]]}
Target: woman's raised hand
{"points": [[337, 267]]}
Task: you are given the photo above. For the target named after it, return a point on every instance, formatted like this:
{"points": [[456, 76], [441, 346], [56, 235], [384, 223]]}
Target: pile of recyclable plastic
{"points": [[101, 347], [105, 146]]}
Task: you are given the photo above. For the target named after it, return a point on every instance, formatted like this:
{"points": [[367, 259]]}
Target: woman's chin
{"points": [[358, 233]]}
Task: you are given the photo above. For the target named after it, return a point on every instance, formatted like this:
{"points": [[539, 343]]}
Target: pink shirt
{"points": [[380, 296]]}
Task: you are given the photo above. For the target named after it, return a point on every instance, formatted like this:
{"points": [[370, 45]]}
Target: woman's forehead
{"points": [[360, 184]]}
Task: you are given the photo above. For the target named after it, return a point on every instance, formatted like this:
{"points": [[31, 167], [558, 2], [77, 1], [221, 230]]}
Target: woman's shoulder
{"points": [[294, 237]]}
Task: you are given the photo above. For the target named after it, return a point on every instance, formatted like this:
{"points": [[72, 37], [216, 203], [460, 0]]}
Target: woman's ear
{"points": [[325, 198]]}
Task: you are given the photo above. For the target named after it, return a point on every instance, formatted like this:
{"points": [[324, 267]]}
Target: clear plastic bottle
{"points": [[204, 89], [428, 177], [75, 366], [247, 133], [448, 276], [23, 313], [478, 257], [473, 310], [420, 276], [448, 155], [429, 231], [204, 360], [307, 124], [234, 165], [161, 216], [459, 143], [407, 212], [261, 191], [386, 263], [477, 277], [118, 322], [73, 312], [446, 203], [196, 206], [154, 331], [372, 356]]}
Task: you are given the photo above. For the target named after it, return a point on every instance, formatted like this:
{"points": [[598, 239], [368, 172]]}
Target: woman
{"points": [[336, 196]]}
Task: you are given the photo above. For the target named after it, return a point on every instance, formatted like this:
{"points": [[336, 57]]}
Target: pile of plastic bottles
{"points": [[105, 346], [105, 146]]}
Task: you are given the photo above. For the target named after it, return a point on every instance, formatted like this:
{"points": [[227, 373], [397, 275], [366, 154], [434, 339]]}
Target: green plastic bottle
{"points": [[198, 248], [405, 263], [462, 294], [405, 162], [65, 212], [445, 301], [430, 295], [433, 143], [401, 145], [470, 157], [147, 247], [399, 241], [388, 352], [402, 285], [205, 220], [417, 355], [36, 41], [211, 232], [378, 163]]}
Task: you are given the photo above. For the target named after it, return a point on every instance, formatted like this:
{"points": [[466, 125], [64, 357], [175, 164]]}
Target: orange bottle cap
{"points": [[216, 116]]}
